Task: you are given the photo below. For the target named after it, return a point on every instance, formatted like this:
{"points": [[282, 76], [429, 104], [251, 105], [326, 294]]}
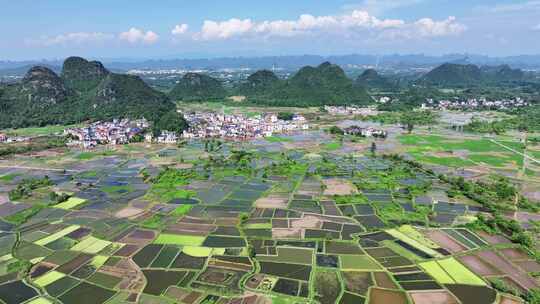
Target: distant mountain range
{"points": [[451, 74], [325, 84], [295, 62], [86, 90]]}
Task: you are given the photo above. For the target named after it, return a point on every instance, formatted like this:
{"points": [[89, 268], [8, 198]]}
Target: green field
{"points": [[176, 239], [48, 278], [91, 245], [71, 203], [56, 236], [450, 271], [460, 273], [482, 151], [277, 139], [39, 131], [40, 300], [358, 262], [199, 251], [332, 146], [437, 272], [414, 240]]}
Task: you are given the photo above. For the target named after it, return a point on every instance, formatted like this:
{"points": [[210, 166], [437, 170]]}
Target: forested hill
{"points": [[450, 74], [198, 87], [371, 79], [325, 84], [84, 91]]}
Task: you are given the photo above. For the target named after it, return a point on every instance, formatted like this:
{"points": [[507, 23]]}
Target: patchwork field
{"points": [[281, 220]]}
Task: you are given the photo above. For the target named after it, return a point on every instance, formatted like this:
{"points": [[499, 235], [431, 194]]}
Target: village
{"points": [[4, 138], [351, 110], [201, 125], [116, 132], [475, 104], [214, 125]]}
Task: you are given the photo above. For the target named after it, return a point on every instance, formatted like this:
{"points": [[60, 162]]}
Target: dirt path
{"points": [[37, 168], [515, 151]]}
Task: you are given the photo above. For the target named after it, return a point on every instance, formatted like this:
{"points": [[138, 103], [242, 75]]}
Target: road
{"points": [[515, 151]]}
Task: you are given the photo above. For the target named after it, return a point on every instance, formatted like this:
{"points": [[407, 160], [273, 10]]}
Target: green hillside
{"points": [[198, 87], [85, 91], [326, 84]]}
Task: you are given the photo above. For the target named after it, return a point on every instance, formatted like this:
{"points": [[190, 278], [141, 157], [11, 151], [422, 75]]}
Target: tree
{"points": [[285, 115], [373, 148], [408, 120], [417, 118], [172, 121], [336, 130]]}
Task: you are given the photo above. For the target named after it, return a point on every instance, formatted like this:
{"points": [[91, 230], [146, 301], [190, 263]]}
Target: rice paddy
{"points": [[290, 219], [175, 239], [71, 203]]}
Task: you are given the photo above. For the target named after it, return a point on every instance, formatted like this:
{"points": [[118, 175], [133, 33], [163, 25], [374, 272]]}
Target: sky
{"points": [[143, 29]]}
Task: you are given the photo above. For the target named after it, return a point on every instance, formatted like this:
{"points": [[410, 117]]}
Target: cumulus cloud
{"points": [[355, 21], [226, 29], [78, 38], [381, 6], [135, 35], [428, 27], [305, 24], [180, 29]]}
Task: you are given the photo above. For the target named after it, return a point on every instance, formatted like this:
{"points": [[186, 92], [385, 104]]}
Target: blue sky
{"points": [[157, 29]]}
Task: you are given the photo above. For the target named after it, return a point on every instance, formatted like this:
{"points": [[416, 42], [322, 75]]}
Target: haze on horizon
{"points": [[144, 29]]}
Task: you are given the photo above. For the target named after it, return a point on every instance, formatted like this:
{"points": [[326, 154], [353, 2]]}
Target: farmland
{"points": [[300, 218]]}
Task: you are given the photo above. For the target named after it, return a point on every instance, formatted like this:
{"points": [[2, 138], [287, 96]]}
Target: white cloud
{"points": [[226, 29], [377, 7], [135, 35], [428, 27], [78, 38], [354, 22], [180, 29]]}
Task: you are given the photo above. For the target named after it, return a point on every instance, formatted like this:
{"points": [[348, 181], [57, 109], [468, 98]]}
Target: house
{"points": [[365, 132]]}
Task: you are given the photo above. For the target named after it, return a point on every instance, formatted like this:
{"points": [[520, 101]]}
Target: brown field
{"points": [[382, 279], [383, 296], [435, 297], [287, 233], [226, 221], [508, 300], [128, 212], [494, 239], [524, 280], [139, 237], [272, 201], [528, 266], [195, 229], [479, 266], [445, 241], [337, 186], [307, 221], [514, 254]]}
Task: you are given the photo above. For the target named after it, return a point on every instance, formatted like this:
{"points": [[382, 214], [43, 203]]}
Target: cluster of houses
{"points": [[475, 104], [4, 138], [215, 125], [365, 132], [351, 110], [116, 132]]}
